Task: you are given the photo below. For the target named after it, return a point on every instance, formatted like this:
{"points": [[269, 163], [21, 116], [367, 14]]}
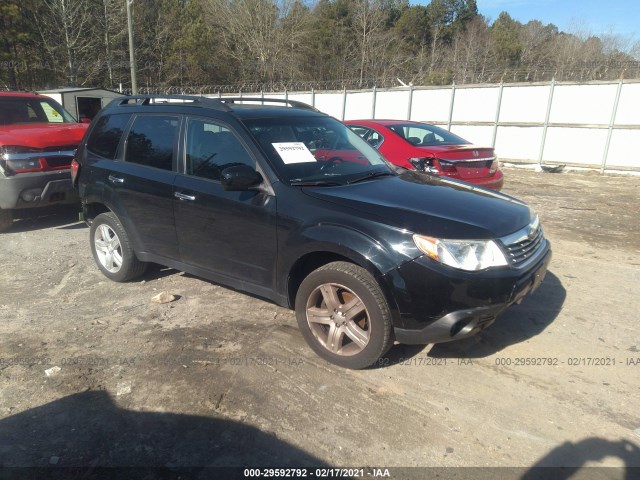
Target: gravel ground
{"points": [[93, 374]]}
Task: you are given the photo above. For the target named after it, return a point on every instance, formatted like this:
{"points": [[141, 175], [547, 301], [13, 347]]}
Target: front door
{"points": [[228, 233]]}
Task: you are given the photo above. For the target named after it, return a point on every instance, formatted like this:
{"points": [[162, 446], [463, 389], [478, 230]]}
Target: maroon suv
{"points": [[37, 141]]}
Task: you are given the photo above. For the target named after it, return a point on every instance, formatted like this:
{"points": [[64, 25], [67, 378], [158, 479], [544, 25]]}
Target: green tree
{"points": [[506, 40], [17, 36]]}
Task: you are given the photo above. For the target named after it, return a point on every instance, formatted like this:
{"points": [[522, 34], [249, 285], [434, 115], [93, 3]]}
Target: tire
{"points": [[6, 220], [112, 249], [344, 316]]}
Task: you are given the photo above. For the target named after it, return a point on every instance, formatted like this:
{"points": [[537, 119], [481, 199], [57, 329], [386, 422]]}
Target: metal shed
{"points": [[82, 102]]}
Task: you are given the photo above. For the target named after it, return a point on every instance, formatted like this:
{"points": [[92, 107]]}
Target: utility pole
{"points": [[132, 54]]}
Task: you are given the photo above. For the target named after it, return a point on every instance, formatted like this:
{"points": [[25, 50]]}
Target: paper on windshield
{"points": [[52, 115], [294, 152]]}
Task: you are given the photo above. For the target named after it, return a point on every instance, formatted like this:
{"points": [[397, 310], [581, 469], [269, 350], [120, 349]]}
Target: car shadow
{"points": [[517, 324], [88, 432], [569, 459], [155, 271], [62, 216]]}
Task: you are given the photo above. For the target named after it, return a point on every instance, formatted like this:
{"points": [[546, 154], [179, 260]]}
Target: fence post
{"points": [[344, 101], [373, 103], [453, 99], [286, 95], [612, 122], [313, 98], [262, 96], [546, 121], [410, 102], [495, 124]]}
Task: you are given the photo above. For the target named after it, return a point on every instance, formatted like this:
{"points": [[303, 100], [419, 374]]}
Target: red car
{"points": [[420, 146], [37, 141]]}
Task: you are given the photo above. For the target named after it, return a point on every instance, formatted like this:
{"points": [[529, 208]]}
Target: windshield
{"points": [[316, 150], [423, 135], [24, 110]]}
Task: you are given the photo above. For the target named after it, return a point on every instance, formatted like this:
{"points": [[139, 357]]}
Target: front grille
{"points": [[58, 162], [525, 244]]}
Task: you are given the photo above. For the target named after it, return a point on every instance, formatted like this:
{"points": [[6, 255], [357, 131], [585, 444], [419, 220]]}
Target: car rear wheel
{"points": [[6, 220], [112, 249], [343, 315]]}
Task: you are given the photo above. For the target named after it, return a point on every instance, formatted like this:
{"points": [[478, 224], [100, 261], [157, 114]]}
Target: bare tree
{"points": [[65, 26], [113, 30], [368, 22], [258, 33], [476, 52]]}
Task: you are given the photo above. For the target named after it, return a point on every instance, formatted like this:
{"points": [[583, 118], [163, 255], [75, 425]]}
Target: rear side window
{"points": [[151, 141], [106, 135]]}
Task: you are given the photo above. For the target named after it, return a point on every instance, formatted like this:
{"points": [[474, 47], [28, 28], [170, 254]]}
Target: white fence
{"points": [[593, 124]]}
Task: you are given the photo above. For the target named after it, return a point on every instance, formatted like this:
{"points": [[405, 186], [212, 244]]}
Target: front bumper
{"points": [[36, 189], [440, 304]]}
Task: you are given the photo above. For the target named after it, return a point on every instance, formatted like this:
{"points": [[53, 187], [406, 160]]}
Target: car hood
{"points": [[43, 135], [430, 205]]}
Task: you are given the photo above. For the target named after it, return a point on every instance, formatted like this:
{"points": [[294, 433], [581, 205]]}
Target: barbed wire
{"points": [[444, 74], [598, 73]]}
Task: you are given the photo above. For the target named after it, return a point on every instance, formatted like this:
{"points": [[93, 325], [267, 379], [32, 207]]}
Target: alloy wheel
{"points": [[338, 319], [108, 248]]}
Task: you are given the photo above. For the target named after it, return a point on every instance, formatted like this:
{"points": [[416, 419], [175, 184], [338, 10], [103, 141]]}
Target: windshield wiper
{"points": [[372, 175], [315, 183]]}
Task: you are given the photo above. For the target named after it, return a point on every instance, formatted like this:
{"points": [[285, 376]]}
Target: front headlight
{"points": [[470, 255]]}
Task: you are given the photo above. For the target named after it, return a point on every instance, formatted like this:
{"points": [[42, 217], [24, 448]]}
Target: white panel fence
{"points": [[594, 124]]}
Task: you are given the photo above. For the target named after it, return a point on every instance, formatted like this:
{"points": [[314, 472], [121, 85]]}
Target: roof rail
{"points": [[207, 102], [263, 100]]}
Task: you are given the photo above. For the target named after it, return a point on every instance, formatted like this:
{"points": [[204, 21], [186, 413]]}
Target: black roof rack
{"points": [[263, 100], [213, 103], [221, 103]]}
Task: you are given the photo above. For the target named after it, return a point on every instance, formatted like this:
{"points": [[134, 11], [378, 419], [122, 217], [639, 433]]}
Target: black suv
{"points": [[277, 199]]}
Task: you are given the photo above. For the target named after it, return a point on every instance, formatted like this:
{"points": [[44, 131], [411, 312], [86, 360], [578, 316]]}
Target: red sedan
{"points": [[425, 147]]}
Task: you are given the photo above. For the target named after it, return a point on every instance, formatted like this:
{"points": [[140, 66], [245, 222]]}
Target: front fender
{"points": [[318, 243], [340, 240]]}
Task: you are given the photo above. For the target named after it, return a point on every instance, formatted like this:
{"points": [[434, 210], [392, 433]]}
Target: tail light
{"points": [[424, 164], [495, 165], [75, 170]]}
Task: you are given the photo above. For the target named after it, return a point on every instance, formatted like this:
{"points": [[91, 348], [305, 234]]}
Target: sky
{"points": [[618, 17]]}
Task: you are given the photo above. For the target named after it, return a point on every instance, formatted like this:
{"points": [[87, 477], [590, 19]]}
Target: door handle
{"points": [[182, 196], [114, 179]]}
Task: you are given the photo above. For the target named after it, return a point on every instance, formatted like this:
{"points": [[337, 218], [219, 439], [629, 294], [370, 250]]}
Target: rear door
{"points": [[140, 186], [229, 233]]}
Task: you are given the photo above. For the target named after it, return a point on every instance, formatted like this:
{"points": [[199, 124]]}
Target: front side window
{"points": [[316, 149], [372, 137], [21, 110], [151, 141], [106, 135], [211, 148]]}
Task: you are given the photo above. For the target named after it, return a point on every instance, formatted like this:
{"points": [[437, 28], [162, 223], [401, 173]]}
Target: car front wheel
{"points": [[112, 249], [343, 315]]}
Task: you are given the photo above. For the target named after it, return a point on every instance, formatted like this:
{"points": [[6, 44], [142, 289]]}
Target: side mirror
{"points": [[239, 178], [85, 120]]}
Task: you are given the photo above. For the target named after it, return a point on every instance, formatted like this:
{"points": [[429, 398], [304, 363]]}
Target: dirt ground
{"points": [[219, 378]]}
